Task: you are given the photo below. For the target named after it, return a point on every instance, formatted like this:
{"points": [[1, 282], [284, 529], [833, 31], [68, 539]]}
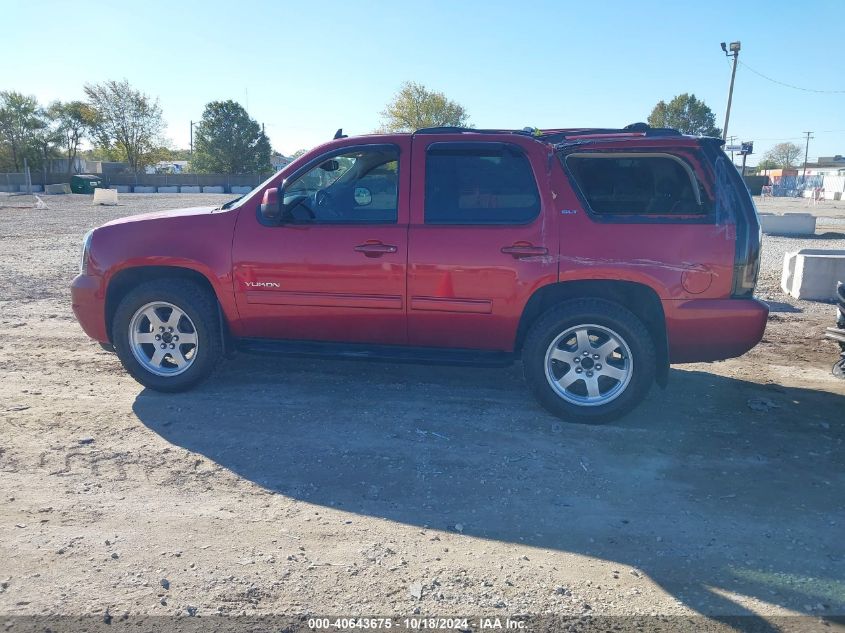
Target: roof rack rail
{"points": [[560, 135], [451, 129], [634, 129]]}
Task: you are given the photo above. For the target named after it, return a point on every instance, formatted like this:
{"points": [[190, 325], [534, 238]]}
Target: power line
{"points": [[796, 138], [782, 83]]}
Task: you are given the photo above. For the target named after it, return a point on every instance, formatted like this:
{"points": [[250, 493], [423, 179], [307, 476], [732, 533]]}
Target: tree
{"points": [[783, 155], [228, 141], [22, 121], [126, 119], [415, 107], [72, 122], [686, 114]]}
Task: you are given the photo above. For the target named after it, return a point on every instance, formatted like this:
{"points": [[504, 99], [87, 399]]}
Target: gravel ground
{"points": [[771, 267], [302, 486], [822, 208]]}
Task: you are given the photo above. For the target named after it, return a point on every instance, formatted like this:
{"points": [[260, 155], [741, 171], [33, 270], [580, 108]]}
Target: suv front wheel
{"points": [[166, 333], [589, 360]]}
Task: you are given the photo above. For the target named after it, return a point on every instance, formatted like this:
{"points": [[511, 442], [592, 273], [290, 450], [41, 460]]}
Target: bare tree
{"points": [[126, 119], [415, 107], [784, 155]]}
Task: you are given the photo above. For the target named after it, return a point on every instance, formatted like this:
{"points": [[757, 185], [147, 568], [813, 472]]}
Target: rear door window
{"points": [[479, 183], [637, 184]]}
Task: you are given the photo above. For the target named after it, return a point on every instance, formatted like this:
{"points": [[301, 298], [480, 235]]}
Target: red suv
{"points": [[596, 256]]}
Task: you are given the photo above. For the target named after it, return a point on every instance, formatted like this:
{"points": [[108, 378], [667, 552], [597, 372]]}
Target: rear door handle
{"points": [[375, 249], [520, 250]]}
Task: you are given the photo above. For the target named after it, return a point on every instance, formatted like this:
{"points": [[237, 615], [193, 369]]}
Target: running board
{"points": [[387, 353], [836, 334]]}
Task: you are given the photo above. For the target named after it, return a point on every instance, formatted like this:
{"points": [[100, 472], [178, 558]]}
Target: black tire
{"points": [[200, 307], [606, 314], [838, 369]]}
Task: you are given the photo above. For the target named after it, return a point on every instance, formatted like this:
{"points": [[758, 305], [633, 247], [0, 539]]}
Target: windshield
{"points": [[237, 202]]}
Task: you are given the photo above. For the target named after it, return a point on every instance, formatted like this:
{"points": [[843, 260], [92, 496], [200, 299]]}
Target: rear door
{"points": [[334, 269], [479, 240], [650, 213]]}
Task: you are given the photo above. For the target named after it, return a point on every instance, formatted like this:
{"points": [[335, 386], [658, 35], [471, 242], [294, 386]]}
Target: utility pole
{"points": [[806, 152], [192, 138], [734, 52], [27, 176]]}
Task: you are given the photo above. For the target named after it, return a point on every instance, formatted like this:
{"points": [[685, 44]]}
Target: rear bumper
{"points": [[89, 305], [702, 330]]}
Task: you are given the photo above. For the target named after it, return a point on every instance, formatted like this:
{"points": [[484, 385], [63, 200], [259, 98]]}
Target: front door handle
{"points": [[524, 249], [375, 249]]}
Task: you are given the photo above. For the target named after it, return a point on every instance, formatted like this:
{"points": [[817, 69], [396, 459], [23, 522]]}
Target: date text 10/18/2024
{"points": [[418, 623]]}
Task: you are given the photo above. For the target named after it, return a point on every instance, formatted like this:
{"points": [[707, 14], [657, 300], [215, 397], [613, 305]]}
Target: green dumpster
{"points": [[85, 183]]}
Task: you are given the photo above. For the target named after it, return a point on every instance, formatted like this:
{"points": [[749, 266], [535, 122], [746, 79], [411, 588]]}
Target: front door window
{"points": [[357, 187]]}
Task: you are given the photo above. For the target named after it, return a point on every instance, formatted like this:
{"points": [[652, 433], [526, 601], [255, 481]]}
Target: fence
{"points": [[17, 182], [821, 187]]}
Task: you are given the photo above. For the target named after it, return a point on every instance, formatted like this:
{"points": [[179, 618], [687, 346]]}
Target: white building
{"points": [[278, 161]]}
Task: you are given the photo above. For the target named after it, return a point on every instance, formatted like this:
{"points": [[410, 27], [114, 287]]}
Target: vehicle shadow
{"points": [[698, 490], [780, 306]]}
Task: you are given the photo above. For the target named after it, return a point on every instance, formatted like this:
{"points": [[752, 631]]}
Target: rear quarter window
{"points": [[638, 184]]}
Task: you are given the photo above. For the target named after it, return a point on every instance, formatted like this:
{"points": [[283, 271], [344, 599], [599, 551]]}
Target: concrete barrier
{"points": [[9, 188], [213, 190], [121, 188], [144, 189], [105, 196], [788, 223], [241, 190], [171, 189], [812, 273], [35, 188], [190, 189], [57, 189]]}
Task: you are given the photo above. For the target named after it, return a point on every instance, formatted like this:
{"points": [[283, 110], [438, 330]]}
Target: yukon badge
{"points": [[262, 284]]}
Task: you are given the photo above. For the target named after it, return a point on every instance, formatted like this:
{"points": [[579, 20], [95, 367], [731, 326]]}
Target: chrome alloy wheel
{"points": [[163, 338], [589, 365]]}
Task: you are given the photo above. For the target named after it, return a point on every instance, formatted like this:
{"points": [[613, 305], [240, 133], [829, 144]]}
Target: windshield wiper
{"points": [[229, 204]]}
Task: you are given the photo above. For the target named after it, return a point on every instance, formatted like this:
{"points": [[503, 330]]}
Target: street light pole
{"points": [[734, 52]]}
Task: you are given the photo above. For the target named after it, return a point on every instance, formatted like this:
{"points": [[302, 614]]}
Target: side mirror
{"points": [[271, 204], [330, 165]]}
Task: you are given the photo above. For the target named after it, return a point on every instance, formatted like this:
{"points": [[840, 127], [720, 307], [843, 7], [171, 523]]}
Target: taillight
{"points": [[86, 253], [749, 239], [734, 205]]}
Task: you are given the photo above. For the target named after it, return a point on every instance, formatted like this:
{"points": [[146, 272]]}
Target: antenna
{"points": [[339, 134]]}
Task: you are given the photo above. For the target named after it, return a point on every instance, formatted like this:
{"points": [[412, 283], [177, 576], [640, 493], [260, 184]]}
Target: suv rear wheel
{"points": [[167, 334], [589, 360]]}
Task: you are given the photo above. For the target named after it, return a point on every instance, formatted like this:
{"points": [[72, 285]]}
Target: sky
{"points": [[304, 69]]}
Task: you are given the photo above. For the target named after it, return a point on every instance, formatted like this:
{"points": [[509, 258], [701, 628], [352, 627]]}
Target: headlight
{"points": [[86, 247]]}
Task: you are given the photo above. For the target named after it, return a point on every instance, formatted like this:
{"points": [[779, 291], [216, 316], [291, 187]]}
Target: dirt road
{"points": [[291, 486]]}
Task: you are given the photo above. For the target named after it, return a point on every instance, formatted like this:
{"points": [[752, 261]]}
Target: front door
{"points": [[479, 242], [334, 268]]}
